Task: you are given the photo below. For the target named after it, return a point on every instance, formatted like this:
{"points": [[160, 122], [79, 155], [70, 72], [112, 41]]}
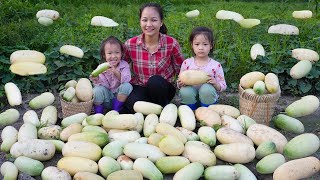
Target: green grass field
{"points": [[19, 29]]}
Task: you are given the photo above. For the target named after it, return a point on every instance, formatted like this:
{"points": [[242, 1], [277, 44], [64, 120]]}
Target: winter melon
{"points": [[28, 68], [72, 51], [298, 108], [284, 29]]}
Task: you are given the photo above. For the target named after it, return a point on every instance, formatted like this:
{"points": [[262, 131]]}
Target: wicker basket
{"points": [[71, 108], [258, 107]]}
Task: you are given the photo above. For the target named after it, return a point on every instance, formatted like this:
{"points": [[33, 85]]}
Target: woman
{"points": [[156, 59]]}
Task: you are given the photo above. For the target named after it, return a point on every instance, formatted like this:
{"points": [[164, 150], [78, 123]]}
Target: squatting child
{"points": [[201, 40], [112, 87]]}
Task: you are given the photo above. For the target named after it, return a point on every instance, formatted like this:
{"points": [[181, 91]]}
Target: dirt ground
{"points": [[311, 123]]}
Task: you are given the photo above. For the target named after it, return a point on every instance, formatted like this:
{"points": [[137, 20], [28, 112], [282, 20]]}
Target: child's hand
{"points": [[180, 84], [91, 77], [212, 81], [112, 69]]}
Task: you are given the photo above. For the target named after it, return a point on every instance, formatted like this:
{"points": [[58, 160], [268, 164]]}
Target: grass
{"points": [[19, 27]]}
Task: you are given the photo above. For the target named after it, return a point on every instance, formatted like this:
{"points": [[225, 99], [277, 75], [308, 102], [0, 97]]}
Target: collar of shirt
{"points": [[121, 65], [142, 43]]}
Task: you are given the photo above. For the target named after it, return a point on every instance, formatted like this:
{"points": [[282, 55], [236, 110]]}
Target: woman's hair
{"points": [[157, 7], [206, 32], [110, 40]]}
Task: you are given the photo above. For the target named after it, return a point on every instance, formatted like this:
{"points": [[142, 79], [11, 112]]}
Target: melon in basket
{"points": [[257, 83], [80, 91], [73, 102]]}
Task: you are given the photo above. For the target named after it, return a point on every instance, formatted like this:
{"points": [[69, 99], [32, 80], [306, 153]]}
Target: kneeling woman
{"points": [[156, 59]]}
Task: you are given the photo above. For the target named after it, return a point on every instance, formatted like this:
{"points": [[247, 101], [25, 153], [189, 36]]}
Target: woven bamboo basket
{"points": [[71, 108], [258, 107]]}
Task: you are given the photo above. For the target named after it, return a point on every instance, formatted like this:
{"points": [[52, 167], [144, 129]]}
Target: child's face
{"points": [[201, 46], [113, 53]]}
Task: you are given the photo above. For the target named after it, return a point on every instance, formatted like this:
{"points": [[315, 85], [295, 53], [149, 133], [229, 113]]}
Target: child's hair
{"points": [[110, 40], [206, 32], [157, 7]]}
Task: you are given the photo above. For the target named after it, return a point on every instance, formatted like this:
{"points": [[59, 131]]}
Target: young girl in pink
{"points": [[112, 87], [201, 40]]}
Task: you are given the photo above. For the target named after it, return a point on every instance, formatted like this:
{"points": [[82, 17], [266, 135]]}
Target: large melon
{"points": [[303, 14], [223, 14], [301, 69], [27, 56], [72, 51], [257, 49], [305, 54], [193, 77], [48, 13], [193, 13], [248, 80], [84, 90], [249, 23], [28, 68], [103, 21], [304, 106], [284, 29]]}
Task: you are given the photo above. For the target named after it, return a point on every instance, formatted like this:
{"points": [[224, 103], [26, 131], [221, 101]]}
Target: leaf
{"points": [[4, 60], [257, 67], [226, 69], [304, 87], [216, 127], [61, 57], [59, 63], [313, 73], [317, 86], [277, 70], [202, 123], [292, 82], [72, 76], [96, 56], [234, 85], [9, 157], [40, 86], [263, 59], [7, 78], [84, 49], [39, 77], [78, 71], [53, 55], [62, 78]]}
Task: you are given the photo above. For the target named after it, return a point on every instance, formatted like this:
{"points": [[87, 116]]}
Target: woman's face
{"points": [[150, 21]]}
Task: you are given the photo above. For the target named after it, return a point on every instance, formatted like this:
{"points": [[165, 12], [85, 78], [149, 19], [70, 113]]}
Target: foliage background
{"points": [[19, 30]]}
